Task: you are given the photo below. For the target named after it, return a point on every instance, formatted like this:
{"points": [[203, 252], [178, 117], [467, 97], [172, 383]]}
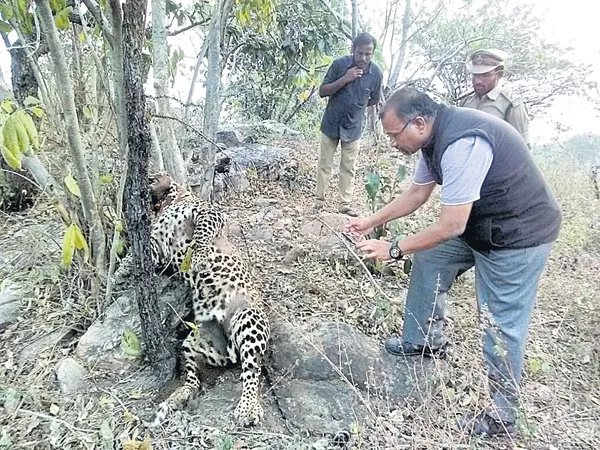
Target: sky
{"points": [[572, 23]]}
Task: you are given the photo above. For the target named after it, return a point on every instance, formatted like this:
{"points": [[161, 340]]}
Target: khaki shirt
{"points": [[499, 103]]}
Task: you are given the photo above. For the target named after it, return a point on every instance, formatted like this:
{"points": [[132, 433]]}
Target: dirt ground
{"points": [[561, 387]]}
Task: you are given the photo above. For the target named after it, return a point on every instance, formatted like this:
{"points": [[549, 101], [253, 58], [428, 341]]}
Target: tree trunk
{"points": [[354, 18], [393, 78], [212, 103], [201, 55], [65, 86], [22, 78], [136, 187], [171, 154], [116, 60], [156, 158]]}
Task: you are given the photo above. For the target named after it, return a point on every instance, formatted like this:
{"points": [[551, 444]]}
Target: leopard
{"points": [[189, 237]]}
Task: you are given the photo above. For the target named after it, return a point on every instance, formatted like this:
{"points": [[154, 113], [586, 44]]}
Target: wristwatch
{"points": [[395, 251]]}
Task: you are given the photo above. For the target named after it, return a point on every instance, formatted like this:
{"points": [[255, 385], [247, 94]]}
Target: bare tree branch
{"points": [[101, 20]]}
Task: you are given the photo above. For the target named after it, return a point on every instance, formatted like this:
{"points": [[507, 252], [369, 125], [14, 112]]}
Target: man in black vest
{"points": [[498, 214]]}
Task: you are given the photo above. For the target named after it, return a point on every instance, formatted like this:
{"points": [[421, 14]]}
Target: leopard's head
{"points": [[161, 187]]}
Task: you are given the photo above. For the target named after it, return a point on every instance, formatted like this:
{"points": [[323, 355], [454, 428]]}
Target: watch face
{"points": [[394, 251]]}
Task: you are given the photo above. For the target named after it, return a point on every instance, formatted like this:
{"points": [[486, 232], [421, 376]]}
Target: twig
{"points": [[101, 20], [61, 421], [191, 127], [360, 261], [24, 177], [116, 398], [185, 28]]}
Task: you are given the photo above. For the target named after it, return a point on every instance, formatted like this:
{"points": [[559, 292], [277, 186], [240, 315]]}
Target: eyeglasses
{"points": [[396, 136]]}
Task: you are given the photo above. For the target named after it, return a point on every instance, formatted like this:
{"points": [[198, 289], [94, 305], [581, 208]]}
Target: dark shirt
{"points": [[346, 108]]}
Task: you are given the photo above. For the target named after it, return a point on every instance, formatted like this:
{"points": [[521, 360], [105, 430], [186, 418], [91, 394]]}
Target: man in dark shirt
{"points": [[352, 83]]}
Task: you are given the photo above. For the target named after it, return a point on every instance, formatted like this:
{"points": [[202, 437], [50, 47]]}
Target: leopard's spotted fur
{"points": [[223, 295]]}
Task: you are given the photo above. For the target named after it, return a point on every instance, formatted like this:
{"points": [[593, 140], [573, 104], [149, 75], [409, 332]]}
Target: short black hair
{"points": [[364, 39], [409, 103]]}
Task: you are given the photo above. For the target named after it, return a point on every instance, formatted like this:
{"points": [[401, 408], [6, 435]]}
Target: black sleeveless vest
{"points": [[517, 209]]}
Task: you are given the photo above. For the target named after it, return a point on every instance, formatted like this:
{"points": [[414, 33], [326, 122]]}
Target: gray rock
{"points": [[317, 228], [261, 131], [263, 161], [45, 342], [294, 254], [101, 344], [234, 229], [322, 407], [285, 234], [70, 375], [10, 300], [266, 215], [331, 248], [229, 138], [261, 234], [322, 368]]}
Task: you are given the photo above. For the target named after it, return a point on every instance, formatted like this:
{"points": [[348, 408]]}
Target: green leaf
{"points": [[68, 248], [11, 138], [185, 265], [31, 101], [6, 11], [62, 19], [72, 185], [7, 106], [13, 160], [372, 184], [38, 112], [407, 266], [79, 241], [130, 344], [5, 27], [21, 128], [57, 5], [87, 112], [401, 173], [81, 36], [120, 248], [30, 130], [106, 179]]}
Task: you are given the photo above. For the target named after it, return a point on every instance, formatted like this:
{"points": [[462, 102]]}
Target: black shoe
{"points": [[484, 424], [397, 347]]}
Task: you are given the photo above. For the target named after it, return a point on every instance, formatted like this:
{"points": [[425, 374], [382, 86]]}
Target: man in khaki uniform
{"points": [[487, 69]]}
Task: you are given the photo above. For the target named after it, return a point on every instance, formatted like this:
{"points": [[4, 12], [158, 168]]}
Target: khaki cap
{"points": [[484, 61]]}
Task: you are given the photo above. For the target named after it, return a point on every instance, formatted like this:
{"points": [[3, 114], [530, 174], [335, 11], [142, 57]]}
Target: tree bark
{"points": [[137, 211], [212, 105], [116, 60], [354, 18], [171, 154], [393, 79], [213, 74], [65, 86], [23, 81], [201, 55]]}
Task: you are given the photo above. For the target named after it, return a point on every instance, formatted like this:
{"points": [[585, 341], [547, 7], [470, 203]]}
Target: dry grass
{"points": [[561, 400]]}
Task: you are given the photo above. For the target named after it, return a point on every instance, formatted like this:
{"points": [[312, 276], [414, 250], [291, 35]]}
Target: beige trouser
{"points": [[327, 148]]}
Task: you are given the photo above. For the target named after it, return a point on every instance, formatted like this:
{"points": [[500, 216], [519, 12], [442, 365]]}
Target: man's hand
{"points": [[352, 74], [359, 227], [375, 249]]}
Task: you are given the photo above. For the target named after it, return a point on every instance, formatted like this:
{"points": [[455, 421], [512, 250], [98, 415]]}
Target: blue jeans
{"points": [[506, 283]]}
